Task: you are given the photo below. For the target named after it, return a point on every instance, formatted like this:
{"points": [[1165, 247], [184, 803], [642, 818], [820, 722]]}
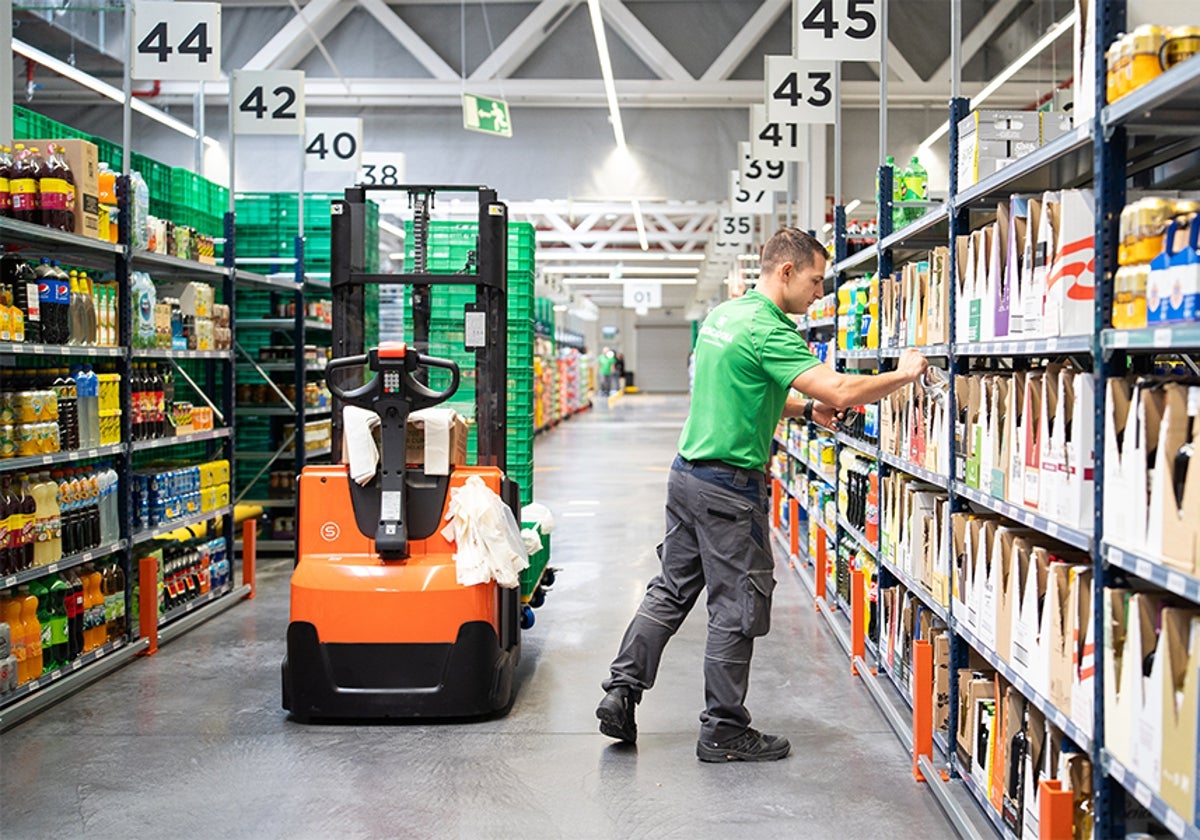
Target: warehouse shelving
{"points": [[165, 528], [67, 562], [1091, 154], [179, 440], [32, 349], [859, 445], [915, 587]]}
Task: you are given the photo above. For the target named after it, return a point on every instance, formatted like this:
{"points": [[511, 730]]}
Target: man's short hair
{"points": [[792, 245]]}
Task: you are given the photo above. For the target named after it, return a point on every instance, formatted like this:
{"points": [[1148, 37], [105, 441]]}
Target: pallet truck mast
{"points": [[379, 625]]}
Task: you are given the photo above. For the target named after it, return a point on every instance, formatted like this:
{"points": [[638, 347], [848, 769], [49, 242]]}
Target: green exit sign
{"points": [[489, 116]]}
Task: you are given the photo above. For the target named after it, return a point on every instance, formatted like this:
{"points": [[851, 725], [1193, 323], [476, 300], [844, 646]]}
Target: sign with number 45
{"points": [[836, 30]]}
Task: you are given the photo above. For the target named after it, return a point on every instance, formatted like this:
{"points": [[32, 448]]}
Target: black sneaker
{"points": [[616, 715], [750, 745]]}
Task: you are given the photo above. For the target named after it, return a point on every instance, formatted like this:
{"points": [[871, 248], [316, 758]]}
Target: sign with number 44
{"points": [[176, 41]]}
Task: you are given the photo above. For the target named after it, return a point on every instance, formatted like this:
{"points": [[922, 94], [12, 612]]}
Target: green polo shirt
{"points": [[747, 354]]}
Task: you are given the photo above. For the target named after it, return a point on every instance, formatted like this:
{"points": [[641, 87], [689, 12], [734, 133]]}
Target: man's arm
{"points": [[843, 391]]}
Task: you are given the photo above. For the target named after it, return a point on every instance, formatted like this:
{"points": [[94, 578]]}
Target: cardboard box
{"points": [[81, 157], [1179, 648], [1055, 124], [1009, 313], [1179, 520], [1129, 419], [1001, 125], [1045, 247], [1129, 638], [1070, 307], [437, 438], [941, 683], [976, 689], [1083, 647], [1049, 460], [1034, 567], [1031, 428], [1056, 633], [1014, 435], [1001, 444], [1040, 760]]}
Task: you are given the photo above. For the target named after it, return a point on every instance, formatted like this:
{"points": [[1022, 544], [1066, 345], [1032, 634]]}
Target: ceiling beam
{"points": [[292, 43], [899, 65], [530, 34], [642, 41], [329, 93], [409, 39], [984, 31], [747, 39]]}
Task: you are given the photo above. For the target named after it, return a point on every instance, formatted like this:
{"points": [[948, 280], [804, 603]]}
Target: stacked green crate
{"points": [[267, 225], [197, 202], [452, 248], [28, 123]]}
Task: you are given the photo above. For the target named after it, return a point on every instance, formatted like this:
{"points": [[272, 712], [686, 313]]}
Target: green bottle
{"points": [[60, 641], [916, 187], [38, 589]]}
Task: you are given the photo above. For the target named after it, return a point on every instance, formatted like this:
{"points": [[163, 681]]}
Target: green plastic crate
{"points": [[538, 561], [157, 177]]}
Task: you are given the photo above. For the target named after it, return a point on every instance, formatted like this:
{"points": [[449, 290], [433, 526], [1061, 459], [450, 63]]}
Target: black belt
{"points": [[722, 465]]}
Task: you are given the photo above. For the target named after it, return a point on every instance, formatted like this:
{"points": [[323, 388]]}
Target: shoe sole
{"points": [[715, 756], [610, 725]]}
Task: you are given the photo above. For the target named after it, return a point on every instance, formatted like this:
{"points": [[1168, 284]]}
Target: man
{"points": [[606, 362], [748, 354]]}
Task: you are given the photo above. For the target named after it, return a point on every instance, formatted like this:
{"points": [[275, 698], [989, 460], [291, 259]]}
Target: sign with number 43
{"points": [[800, 91]]}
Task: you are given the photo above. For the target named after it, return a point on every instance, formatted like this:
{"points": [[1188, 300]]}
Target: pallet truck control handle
{"points": [[419, 394]]}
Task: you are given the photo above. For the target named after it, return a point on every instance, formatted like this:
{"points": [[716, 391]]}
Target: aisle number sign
{"points": [[268, 101], [488, 116], [836, 30], [800, 91], [386, 169], [752, 200], [332, 144], [775, 140], [734, 233], [760, 174], [643, 296], [176, 41]]}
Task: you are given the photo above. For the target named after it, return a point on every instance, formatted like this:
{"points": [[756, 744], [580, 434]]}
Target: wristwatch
{"points": [[808, 411]]}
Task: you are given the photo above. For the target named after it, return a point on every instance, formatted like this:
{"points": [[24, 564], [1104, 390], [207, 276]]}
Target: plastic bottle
{"points": [[6, 164], [5, 561], [67, 513], [87, 387], [62, 297], [44, 277], [28, 509], [116, 626], [68, 412], [139, 218], [75, 612], [95, 599], [109, 518], [48, 540], [6, 333], [10, 611], [33, 632], [75, 311], [24, 284], [916, 187], [40, 591], [92, 481], [56, 191], [108, 202], [60, 640], [160, 406], [23, 186], [89, 309]]}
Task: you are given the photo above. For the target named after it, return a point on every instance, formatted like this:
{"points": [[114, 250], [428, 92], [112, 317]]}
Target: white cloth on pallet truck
{"points": [[359, 449], [488, 539]]}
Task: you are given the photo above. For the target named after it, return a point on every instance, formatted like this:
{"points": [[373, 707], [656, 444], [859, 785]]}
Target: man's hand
{"points": [[827, 415], [912, 364]]}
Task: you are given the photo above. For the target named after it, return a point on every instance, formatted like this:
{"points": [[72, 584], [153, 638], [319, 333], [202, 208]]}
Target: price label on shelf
{"points": [[734, 233], [1162, 337], [176, 41], [382, 168], [55, 674], [1120, 340], [1143, 794], [268, 101], [1175, 823], [332, 144], [1143, 569], [10, 582], [775, 140], [1052, 529], [749, 200], [46, 459], [760, 174], [1176, 583], [100, 652], [836, 30], [800, 91]]}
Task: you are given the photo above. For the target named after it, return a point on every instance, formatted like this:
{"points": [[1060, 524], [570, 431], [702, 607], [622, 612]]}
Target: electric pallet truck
{"points": [[380, 627]]}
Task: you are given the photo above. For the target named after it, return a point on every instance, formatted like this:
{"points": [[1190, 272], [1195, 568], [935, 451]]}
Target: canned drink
{"points": [[27, 439], [8, 441], [7, 414]]}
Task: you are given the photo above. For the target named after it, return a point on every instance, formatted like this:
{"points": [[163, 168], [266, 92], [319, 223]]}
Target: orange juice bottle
{"points": [[33, 635], [10, 612]]}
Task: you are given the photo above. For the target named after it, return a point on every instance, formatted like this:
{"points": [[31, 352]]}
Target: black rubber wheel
{"points": [[537, 599], [548, 577]]}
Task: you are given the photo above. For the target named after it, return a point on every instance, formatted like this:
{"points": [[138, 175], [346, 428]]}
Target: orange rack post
{"points": [[1056, 809], [794, 525], [148, 603], [922, 687], [776, 492], [858, 619], [249, 553]]}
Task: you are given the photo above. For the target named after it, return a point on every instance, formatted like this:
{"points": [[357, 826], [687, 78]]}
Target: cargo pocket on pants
{"points": [[757, 587]]}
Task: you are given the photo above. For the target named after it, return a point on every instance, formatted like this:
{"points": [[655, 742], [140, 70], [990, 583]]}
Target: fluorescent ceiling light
{"points": [[610, 87], [683, 271], [560, 307], [853, 205], [106, 90], [641, 224], [828, 226], [1052, 35], [621, 281], [563, 255]]}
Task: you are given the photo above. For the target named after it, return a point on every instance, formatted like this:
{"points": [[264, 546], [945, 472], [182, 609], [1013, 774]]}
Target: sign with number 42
{"points": [[176, 41], [836, 30], [268, 101]]}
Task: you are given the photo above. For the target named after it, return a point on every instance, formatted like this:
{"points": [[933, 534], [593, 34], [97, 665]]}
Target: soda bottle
{"points": [[90, 320], [23, 186], [160, 405], [116, 627], [33, 632], [75, 311], [916, 187], [62, 297], [76, 612], [39, 590], [68, 410], [95, 609], [54, 191], [28, 520], [10, 611], [46, 548], [6, 164], [5, 567], [93, 404], [60, 640], [25, 289], [92, 481]]}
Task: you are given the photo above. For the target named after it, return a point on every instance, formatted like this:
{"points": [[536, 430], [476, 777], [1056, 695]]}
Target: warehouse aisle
{"points": [[193, 742]]}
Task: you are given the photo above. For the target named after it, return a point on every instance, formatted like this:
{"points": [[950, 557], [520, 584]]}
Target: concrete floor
{"points": [[193, 743]]}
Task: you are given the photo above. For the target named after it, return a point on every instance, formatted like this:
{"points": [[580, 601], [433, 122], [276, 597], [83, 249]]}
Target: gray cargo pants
{"points": [[717, 537]]}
